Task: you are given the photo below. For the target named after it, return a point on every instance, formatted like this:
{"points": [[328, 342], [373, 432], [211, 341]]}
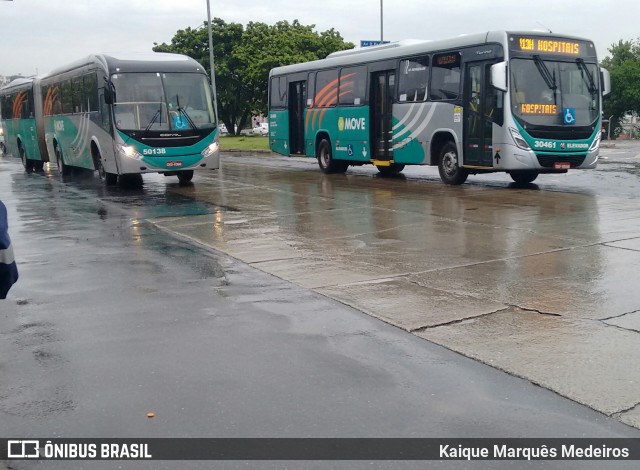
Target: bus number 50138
{"points": [[154, 151]]}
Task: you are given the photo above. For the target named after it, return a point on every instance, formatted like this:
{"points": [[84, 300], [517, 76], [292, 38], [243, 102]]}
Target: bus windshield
{"points": [[542, 90], [162, 101]]}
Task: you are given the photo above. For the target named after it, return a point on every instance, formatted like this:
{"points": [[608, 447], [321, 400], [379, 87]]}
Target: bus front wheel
{"points": [[109, 179], [523, 177], [326, 161], [450, 171], [185, 177]]}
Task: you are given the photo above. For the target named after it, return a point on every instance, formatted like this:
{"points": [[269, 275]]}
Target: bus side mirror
{"points": [[499, 76], [605, 80], [108, 96]]}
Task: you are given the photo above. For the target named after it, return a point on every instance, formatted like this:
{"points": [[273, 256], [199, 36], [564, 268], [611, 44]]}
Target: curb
{"points": [[241, 150]]}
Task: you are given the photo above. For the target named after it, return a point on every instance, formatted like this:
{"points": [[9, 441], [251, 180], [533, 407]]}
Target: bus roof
{"points": [[408, 48], [18, 83], [134, 62]]}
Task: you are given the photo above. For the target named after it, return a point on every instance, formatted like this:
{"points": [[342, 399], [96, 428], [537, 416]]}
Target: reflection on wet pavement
{"points": [[519, 278], [537, 281]]}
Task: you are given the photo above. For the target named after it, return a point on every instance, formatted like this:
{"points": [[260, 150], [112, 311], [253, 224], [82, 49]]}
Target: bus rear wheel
{"points": [[523, 177], [185, 177], [26, 163], [64, 169], [326, 161], [391, 170], [450, 171]]}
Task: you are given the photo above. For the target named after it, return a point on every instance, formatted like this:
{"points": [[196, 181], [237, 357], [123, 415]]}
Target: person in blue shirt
{"points": [[8, 269]]}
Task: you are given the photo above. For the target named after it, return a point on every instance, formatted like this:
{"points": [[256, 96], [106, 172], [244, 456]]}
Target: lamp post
{"points": [[609, 129], [381, 23], [213, 75]]}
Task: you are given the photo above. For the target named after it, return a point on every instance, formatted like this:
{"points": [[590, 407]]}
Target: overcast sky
{"points": [[38, 35]]}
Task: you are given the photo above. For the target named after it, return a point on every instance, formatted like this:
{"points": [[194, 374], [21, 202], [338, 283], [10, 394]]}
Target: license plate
{"points": [[174, 164], [562, 165]]}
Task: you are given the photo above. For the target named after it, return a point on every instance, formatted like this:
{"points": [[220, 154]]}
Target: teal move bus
{"points": [[121, 115], [524, 103]]}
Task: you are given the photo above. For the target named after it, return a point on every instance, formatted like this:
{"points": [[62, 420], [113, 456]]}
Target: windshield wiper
{"points": [[182, 111], [585, 70], [187, 117], [549, 79], [153, 119]]}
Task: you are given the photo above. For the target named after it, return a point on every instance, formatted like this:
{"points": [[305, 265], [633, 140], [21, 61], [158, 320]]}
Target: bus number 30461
{"points": [[154, 151]]}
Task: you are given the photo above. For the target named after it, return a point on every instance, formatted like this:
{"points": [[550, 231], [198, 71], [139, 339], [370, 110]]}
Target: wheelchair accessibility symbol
{"points": [[569, 115], [179, 122]]}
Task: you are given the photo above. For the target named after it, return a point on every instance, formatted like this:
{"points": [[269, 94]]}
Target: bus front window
{"points": [[189, 100], [140, 102], [542, 89], [162, 102]]}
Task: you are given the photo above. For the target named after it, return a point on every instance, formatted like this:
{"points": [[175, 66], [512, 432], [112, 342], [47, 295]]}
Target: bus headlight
{"points": [[210, 150], [1, 131], [519, 140], [129, 151]]}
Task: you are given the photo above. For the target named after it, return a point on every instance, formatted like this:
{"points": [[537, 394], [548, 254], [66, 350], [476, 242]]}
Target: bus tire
{"points": [[64, 169], [524, 177], [326, 162], [26, 163], [3, 150], [185, 177], [131, 181], [38, 166], [450, 171], [109, 179], [391, 170]]}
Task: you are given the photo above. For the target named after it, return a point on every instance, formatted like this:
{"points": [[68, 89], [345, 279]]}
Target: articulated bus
{"points": [[119, 115], [524, 103], [18, 123]]}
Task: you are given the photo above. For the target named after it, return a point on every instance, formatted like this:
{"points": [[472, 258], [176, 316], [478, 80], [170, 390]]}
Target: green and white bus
{"points": [[120, 115], [520, 102], [18, 123]]}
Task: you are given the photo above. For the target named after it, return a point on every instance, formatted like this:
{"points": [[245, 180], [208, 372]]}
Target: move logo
{"points": [[349, 124]]}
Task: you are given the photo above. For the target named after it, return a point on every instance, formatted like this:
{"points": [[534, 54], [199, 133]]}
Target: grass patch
{"points": [[244, 142]]}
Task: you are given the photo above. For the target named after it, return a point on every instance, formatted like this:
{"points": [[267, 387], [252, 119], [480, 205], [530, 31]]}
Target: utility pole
{"points": [[381, 23], [213, 75]]}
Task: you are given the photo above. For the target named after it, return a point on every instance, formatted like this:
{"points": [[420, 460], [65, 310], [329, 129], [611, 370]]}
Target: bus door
{"points": [[381, 107], [297, 103], [479, 101]]}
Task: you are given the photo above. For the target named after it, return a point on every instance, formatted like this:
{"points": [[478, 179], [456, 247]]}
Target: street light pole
{"points": [[381, 23], [213, 75], [609, 130]]}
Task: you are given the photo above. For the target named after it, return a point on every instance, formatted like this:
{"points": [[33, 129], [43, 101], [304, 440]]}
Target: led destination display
{"points": [[554, 46]]}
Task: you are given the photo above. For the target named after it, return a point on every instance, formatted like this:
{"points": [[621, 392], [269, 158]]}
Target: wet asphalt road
{"points": [[113, 318]]}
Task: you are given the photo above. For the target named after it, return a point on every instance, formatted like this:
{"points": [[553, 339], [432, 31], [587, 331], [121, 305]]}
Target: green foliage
{"points": [[624, 66], [244, 56]]}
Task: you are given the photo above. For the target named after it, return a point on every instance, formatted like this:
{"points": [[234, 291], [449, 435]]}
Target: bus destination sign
{"points": [[555, 46]]}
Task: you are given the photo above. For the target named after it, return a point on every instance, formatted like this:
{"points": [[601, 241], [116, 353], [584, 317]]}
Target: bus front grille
{"points": [[548, 161]]}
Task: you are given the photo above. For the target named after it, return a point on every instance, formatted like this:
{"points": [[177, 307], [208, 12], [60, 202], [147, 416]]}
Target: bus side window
{"points": [[413, 78], [445, 76]]}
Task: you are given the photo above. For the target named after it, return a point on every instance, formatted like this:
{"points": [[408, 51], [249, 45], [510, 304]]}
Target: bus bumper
{"points": [[153, 164], [515, 158]]}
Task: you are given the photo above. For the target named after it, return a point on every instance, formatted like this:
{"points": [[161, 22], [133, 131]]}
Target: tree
{"points": [[244, 56], [229, 88], [624, 66]]}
